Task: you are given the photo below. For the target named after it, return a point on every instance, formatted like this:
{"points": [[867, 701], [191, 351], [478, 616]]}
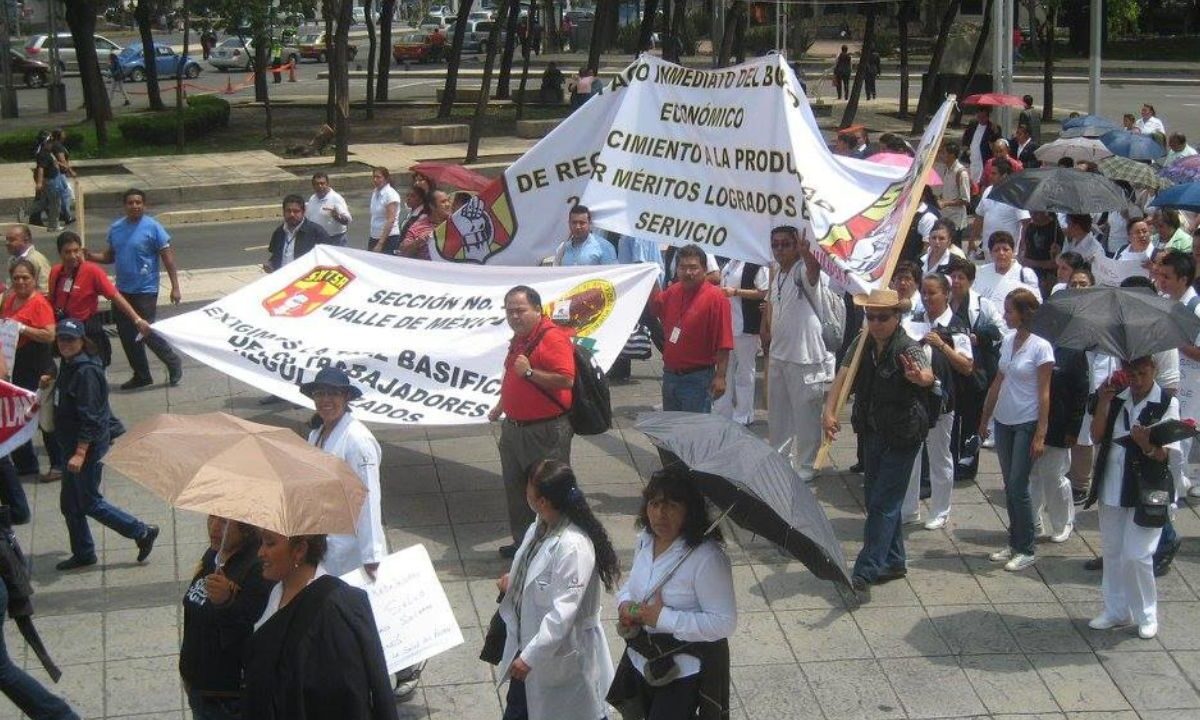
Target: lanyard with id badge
{"points": [[684, 313]]}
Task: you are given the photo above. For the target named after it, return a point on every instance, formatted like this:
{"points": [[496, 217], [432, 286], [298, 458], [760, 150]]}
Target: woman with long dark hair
{"points": [[677, 610], [555, 655]]}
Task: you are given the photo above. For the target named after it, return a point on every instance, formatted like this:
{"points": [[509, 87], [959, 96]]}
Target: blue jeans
{"points": [[25, 692], [214, 708], [1013, 443], [886, 471], [12, 493], [80, 499], [64, 194], [1166, 541], [688, 392]]}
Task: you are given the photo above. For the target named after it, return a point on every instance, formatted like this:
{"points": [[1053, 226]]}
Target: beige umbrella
{"points": [[223, 465]]}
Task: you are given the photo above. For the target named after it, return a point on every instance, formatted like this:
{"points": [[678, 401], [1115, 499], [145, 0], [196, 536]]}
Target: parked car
{"points": [[359, 15], [37, 47], [412, 46], [433, 22], [166, 61], [312, 47], [475, 37], [35, 72], [232, 54]]}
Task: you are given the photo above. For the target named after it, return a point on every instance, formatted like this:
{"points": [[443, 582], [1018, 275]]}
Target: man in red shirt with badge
{"points": [[697, 323], [535, 396]]}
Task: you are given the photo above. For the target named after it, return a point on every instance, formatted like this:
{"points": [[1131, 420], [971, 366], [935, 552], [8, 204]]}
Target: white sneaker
{"points": [[1147, 630], [912, 519], [989, 443], [1104, 622], [1001, 555], [1039, 531], [936, 524], [1063, 536], [1020, 562]]}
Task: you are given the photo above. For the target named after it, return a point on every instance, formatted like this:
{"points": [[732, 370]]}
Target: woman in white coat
{"points": [[555, 655]]}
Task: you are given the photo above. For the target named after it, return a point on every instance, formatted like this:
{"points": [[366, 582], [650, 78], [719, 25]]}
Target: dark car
{"points": [[35, 72]]}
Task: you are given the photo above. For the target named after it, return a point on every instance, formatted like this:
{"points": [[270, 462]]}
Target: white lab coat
{"points": [[354, 443], [562, 639]]}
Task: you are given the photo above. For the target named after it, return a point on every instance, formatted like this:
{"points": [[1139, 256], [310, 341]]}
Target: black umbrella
{"points": [[756, 485], [1062, 190], [1124, 322]]}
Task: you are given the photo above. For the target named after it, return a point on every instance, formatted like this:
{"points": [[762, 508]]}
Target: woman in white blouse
{"points": [[1139, 245], [940, 249], [385, 213], [677, 609], [1019, 401], [1004, 274]]}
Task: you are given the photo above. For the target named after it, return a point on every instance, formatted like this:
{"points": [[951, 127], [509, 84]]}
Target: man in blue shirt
{"points": [[583, 247], [136, 243]]}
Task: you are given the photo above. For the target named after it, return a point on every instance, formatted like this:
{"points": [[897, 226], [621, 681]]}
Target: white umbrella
{"points": [[1077, 148]]}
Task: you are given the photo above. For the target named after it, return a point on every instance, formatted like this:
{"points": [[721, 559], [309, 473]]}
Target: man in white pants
{"points": [[801, 368], [745, 284]]}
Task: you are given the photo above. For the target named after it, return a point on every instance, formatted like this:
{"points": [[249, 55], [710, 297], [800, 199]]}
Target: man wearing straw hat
{"points": [[892, 385]]}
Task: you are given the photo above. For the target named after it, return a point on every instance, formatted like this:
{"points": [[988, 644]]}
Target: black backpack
{"points": [[591, 403]]}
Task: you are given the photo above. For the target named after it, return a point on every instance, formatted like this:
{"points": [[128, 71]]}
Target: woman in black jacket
{"points": [[1049, 486], [226, 597]]}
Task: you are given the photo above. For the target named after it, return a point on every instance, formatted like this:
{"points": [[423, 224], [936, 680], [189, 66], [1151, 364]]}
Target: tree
{"points": [[144, 14], [980, 42], [339, 66], [646, 29], [450, 91], [868, 46], [677, 34], [514, 11], [928, 86], [733, 41], [386, 12], [372, 48], [179, 94], [902, 17], [599, 34], [485, 87], [328, 12], [1052, 8], [81, 19]]}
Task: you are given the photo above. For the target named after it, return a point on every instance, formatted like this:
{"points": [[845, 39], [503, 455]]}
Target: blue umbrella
{"points": [[1185, 196], [1087, 126], [1134, 146]]}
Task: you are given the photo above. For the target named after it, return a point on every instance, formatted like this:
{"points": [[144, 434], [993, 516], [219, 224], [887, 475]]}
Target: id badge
{"points": [[68, 284], [674, 335]]}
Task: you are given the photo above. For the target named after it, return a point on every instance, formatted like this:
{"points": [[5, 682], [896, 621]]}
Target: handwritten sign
{"points": [[9, 336], [411, 610]]}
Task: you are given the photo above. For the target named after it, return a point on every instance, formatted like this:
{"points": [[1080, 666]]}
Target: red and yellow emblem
{"points": [[481, 228], [585, 307], [309, 292]]}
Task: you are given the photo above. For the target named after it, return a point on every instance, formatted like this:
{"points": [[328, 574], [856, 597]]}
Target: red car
{"points": [[413, 47], [35, 72], [313, 47]]}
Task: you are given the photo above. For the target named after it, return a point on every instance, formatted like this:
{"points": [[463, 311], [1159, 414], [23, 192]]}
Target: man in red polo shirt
{"points": [[697, 324], [535, 396]]}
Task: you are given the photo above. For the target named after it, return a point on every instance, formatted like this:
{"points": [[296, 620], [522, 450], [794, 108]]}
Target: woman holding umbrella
{"points": [[315, 652], [680, 591]]}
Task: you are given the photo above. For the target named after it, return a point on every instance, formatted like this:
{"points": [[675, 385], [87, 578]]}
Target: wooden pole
{"points": [[80, 217], [908, 211]]}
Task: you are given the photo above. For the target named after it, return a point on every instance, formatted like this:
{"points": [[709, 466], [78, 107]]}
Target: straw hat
{"points": [[882, 299]]}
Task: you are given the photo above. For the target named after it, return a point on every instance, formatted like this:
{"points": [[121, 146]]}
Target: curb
{"points": [[172, 218]]}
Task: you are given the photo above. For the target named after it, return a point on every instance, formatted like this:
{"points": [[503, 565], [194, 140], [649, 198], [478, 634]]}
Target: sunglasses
{"points": [[879, 317], [782, 245]]}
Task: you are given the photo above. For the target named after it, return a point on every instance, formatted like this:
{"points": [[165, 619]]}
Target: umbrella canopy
{"points": [[1134, 146], [904, 161], [1135, 173], [1079, 148], [1185, 196], [1124, 322], [1062, 190], [1184, 170], [733, 467], [223, 465], [994, 100], [1087, 126], [452, 175]]}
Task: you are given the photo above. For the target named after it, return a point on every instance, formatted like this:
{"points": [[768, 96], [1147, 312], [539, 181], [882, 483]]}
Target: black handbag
{"points": [[1153, 509]]}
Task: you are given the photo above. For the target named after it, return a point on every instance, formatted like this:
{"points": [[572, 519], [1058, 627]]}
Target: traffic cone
{"points": [[228, 85], [292, 71]]}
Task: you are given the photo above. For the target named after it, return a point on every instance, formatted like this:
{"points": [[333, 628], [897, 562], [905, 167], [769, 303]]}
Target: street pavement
{"points": [[959, 638]]}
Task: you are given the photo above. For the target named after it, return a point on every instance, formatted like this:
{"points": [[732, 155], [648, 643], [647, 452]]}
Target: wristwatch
{"points": [[528, 375]]}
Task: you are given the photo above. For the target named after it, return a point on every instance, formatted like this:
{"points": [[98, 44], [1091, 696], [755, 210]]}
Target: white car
{"points": [[232, 54], [38, 48]]}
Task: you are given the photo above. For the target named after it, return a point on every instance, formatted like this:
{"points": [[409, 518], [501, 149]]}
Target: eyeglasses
{"points": [[879, 317], [782, 245]]}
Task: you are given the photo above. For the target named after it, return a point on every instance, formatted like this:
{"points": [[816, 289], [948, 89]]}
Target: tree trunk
{"points": [[521, 87], [180, 136], [868, 46], [372, 48], [906, 9], [328, 11], [1048, 63], [646, 29], [510, 43], [386, 11], [599, 40], [485, 88], [262, 47], [455, 60], [143, 13], [678, 31], [739, 37], [984, 31], [927, 100], [735, 17], [550, 27], [339, 65], [81, 19]]}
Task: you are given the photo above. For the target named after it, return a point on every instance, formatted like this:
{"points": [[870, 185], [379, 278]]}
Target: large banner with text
{"points": [[682, 155], [425, 342]]}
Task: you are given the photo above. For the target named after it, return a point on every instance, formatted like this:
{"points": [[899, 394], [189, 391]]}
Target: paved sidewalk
{"points": [[958, 638]]}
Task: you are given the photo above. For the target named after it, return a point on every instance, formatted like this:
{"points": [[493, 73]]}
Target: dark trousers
{"points": [[674, 701], [24, 691], [146, 305], [208, 707], [870, 79], [842, 83], [969, 410], [12, 493], [80, 499], [886, 472]]}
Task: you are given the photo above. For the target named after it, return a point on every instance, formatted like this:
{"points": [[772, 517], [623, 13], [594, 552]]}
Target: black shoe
{"points": [[1096, 563], [508, 552], [856, 468], [74, 563], [136, 382], [145, 544], [860, 584], [891, 574], [1162, 563], [174, 375], [1079, 497], [1161, 568], [270, 400]]}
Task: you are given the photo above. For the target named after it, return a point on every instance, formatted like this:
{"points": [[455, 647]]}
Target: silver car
{"points": [[38, 48], [232, 54]]}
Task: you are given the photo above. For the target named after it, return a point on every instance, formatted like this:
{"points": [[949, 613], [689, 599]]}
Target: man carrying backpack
{"points": [[535, 399]]}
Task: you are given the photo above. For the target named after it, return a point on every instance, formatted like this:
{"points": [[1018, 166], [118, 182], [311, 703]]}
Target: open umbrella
{"points": [[901, 160], [452, 175], [1087, 126], [1134, 146], [1134, 172], [994, 100], [1185, 196], [756, 485], [1079, 148], [1184, 170], [223, 465], [1056, 189], [1124, 322]]}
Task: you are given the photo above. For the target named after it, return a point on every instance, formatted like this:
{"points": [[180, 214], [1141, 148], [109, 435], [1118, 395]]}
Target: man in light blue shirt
{"points": [[583, 247], [136, 244]]}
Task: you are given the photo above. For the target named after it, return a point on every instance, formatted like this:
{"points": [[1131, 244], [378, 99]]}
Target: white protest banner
{"points": [[10, 335], [425, 342], [1110, 273], [682, 155], [412, 613], [18, 416]]}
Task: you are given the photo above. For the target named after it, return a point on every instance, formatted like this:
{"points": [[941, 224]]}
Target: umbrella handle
{"points": [[224, 535]]}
